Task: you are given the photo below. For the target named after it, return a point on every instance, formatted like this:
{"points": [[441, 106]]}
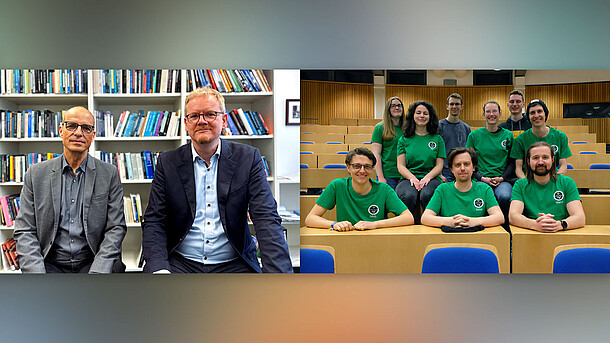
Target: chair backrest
{"points": [[460, 258], [582, 258], [580, 142], [570, 166], [304, 166], [306, 152], [334, 166], [588, 153], [599, 166], [317, 259]]}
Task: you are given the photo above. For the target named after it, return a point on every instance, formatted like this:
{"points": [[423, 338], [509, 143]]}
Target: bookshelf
{"points": [[275, 146]]}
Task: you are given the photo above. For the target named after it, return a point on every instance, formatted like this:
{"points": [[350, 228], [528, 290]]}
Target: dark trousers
{"points": [[179, 264], [67, 267]]}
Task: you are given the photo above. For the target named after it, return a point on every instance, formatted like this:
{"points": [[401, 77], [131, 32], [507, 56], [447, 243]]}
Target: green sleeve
{"points": [[435, 201], [377, 134], [565, 147], [442, 153], [570, 190], [490, 199], [328, 198], [518, 190], [517, 152], [470, 141], [400, 146], [393, 203]]}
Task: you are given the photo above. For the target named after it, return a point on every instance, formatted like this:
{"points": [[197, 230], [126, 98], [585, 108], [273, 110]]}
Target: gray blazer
{"points": [[38, 218]]}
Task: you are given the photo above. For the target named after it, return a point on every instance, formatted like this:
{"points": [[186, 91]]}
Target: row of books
{"points": [[228, 80], [43, 81], [13, 167], [30, 123], [240, 122], [266, 166], [132, 206], [131, 165], [9, 254], [9, 207], [136, 81], [144, 124]]}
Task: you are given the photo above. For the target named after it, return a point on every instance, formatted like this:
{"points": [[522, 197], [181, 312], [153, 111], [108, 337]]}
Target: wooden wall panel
{"points": [[323, 100], [474, 98], [556, 95]]}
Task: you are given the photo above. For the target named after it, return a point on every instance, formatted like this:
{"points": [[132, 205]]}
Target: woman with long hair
{"points": [[384, 141], [421, 153]]}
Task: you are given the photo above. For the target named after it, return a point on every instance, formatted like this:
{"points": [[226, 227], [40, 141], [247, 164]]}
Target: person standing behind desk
{"points": [[516, 122], [71, 218], [462, 203], [492, 145], [362, 203], [545, 201], [453, 130], [421, 152], [540, 132], [385, 137]]}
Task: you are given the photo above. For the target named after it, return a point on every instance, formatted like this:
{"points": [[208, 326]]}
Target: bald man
{"points": [[71, 217]]}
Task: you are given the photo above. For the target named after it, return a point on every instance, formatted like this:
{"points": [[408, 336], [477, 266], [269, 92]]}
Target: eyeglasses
{"points": [[454, 104], [358, 166], [72, 126], [395, 105], [193, 118]]}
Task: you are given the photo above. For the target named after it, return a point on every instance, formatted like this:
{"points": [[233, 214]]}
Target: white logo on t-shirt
{"points": [[432, 145], [558, 195], [373, 210], [504, 143], [555, 148], [478, 203]]}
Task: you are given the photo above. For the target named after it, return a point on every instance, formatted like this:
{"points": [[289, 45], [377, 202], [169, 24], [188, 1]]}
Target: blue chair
{"points": [[306, 152], [341, 152], [304, 166], [306, 142], [334, 143], [599, 166], [317, 259], [334, 166], [460, 258], [582, 258], [588, 153], [580, 142], [570, 166]]}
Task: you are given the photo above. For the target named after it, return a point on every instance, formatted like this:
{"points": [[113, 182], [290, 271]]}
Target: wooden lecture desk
{"points": [[398, 249], [533, 250]]}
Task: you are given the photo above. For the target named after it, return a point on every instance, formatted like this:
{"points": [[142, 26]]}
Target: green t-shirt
{"points": [[355, 207], [557, 139], [551, 198], [447, 201], [421, 153], [388, 150], [492, 150]]}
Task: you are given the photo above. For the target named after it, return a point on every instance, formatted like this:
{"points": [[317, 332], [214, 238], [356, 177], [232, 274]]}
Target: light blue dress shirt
{"points": [[206, 241]]}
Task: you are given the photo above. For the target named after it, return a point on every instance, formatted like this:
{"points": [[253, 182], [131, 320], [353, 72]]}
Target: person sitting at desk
{"points": [[462, 203], [362, 203], [545, 201]]}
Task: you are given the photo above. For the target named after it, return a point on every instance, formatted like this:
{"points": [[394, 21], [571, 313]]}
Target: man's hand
{"points": [[343, 226], [443, 178], [364, 225], [460, 220], [546, 223]]}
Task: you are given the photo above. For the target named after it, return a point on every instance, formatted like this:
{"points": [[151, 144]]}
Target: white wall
{"points": [[540, 77], [286, 138]]}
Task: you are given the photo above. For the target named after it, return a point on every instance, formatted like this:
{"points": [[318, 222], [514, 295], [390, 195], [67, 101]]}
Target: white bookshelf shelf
{"points": [[11, 183], [136, 181], [137, 139], [46, 99]]}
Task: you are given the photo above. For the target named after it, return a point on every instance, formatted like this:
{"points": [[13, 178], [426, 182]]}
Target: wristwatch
{"points": [[564, 224]]}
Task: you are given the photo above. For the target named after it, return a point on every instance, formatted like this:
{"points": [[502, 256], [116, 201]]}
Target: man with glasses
{"points": [[71, 217], [362, 203], [453, 130], [197, 215]]}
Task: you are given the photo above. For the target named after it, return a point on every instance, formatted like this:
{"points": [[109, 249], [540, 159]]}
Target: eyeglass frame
{"points": [[205, 115], [82, 127], [367, 167]]}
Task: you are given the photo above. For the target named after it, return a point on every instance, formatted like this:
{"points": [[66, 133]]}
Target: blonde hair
{"points": [[206, 91], [388, 126]]}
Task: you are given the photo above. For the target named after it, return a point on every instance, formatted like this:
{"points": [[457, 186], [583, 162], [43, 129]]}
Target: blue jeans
{"points": [[503, 191], [392, 181]]}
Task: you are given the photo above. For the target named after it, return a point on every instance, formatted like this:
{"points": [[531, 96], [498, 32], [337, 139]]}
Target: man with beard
{"points": [[545, 201]]}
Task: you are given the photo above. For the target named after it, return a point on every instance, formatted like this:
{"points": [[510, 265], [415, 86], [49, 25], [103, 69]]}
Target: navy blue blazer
{"points": [[242, 185]]}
